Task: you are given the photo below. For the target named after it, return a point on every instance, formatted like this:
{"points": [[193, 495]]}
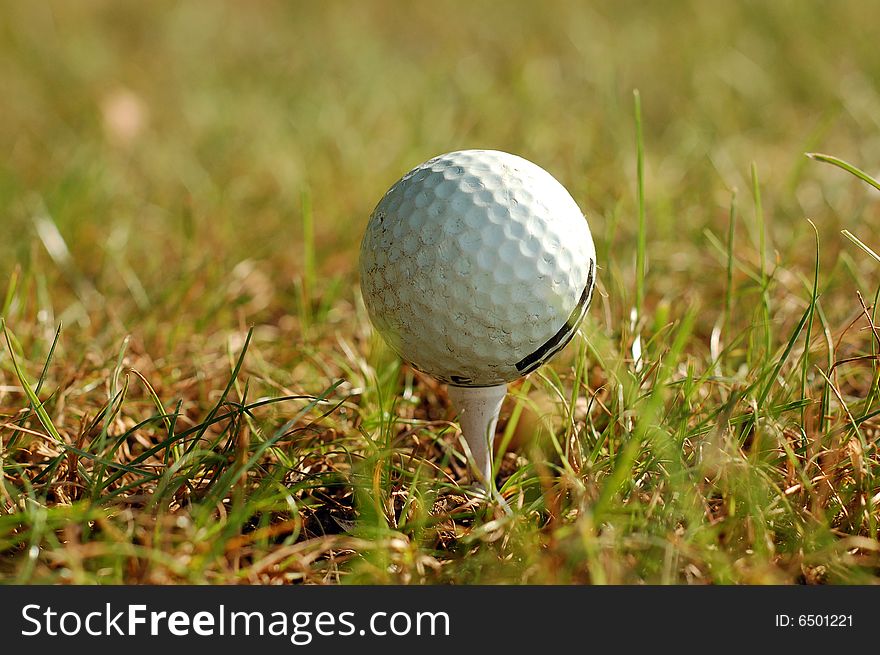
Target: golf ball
{"points": [[477, 267]]}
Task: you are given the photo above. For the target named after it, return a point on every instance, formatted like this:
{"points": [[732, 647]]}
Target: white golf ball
{"points": [[477, 267]]}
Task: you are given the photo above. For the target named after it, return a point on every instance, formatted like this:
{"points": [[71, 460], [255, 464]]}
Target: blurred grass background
{"points": [[176, 172], [196, 129]]}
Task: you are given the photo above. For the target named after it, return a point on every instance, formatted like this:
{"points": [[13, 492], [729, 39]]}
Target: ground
{"points": [[191, 391]]}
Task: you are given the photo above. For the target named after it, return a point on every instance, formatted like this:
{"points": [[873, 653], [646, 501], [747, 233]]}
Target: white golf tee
{"points": [[478, 409]]}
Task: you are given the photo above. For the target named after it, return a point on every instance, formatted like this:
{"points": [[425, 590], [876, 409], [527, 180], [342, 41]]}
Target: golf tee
{"points": [[478, 409]]}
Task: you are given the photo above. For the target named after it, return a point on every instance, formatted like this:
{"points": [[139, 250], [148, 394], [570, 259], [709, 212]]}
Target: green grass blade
{"points": [[849, 235], [762, 258], [849, 168], [808, 336], [36, 403], [641, 245]]}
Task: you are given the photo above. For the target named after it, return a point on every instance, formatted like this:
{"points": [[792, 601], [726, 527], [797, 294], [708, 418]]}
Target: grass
{"points": [[190, 389]]}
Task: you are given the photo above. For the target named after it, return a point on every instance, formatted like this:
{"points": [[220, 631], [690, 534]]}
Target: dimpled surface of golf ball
{"points": [[477, 267]]}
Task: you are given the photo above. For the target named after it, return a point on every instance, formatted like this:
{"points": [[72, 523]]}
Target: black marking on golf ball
{"points": [[559, 340]]}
